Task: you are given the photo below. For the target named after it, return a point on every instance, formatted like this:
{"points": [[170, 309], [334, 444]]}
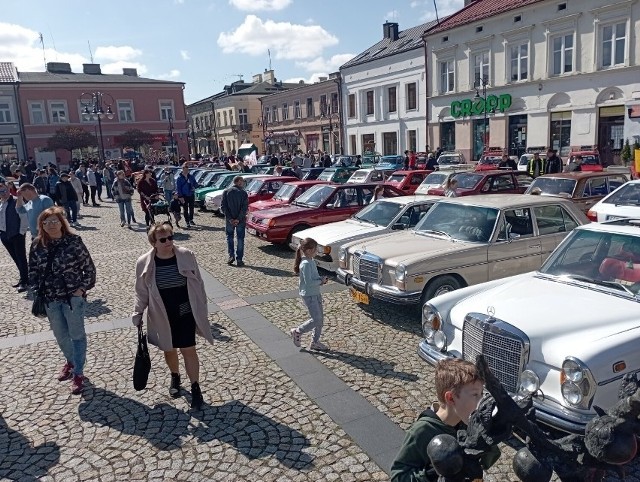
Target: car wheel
{"points": [[295, 230], [439, 286]]}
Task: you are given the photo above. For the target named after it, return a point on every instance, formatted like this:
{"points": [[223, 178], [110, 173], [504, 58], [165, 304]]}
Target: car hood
{"points": [[560, 318], [287, 209], [214, 192], [342, 231], [266, 204]]}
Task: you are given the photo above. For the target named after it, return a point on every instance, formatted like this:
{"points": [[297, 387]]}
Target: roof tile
{"points": [[8, 72]]}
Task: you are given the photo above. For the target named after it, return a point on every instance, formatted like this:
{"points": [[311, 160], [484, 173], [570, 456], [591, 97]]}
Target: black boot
{"points": [[196, 396], [174, 388]]}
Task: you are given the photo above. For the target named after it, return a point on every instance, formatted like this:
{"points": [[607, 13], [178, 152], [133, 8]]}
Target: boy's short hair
{"points": [[452, 374]]}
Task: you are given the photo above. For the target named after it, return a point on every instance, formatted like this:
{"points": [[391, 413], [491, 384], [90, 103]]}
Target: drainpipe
{"points": [[338, 81], [23, 137], [426, 83]]}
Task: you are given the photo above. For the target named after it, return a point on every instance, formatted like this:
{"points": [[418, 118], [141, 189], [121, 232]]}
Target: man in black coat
{"points": [[554, 163], [13, 228], [234, 206]]}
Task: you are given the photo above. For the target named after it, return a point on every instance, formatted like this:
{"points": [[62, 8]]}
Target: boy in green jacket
{"points": [[459, 390]]}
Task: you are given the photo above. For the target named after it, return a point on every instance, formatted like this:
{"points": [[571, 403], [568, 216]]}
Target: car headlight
{"points": [[572, 393], [529, 382], [401, 272], [576, 383], [342, 255], [272, 222], [324, 250], [432, 327], [572, 371]]}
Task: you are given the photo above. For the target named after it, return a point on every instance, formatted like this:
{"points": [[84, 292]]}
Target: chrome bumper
{"points": [[379, 292]]}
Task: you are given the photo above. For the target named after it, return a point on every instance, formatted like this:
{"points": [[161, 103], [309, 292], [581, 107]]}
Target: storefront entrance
{"points": [[517, 135], [448, 136], [560, 131], [610, 134], [480, 137]]}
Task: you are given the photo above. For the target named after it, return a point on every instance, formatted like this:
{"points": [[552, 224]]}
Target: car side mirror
{"points": [[330, 206], [397, 227]]}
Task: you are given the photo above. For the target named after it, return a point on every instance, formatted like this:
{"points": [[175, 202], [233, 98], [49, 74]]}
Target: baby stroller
{"points": [[157, 206]]}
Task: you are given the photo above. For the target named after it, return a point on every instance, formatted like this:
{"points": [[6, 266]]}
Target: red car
{"points": [[590, 158], [285, 195], [321, 204], [488, 182], [407, 181], [490, 159], [265, 187]]}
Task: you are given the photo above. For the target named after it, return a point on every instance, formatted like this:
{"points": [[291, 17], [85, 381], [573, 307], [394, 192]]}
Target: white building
{"points": [[558, 73], [384, 94]]}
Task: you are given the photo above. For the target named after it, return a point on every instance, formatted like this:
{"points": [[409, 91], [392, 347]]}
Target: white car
{"points": [[434, 179], [378, 218], [624, 202], [566, 333], [523, 163], [367, 175], [213, 200]]}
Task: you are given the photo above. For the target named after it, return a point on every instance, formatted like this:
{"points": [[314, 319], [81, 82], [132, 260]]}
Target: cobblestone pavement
{"points": [[257, 424]]}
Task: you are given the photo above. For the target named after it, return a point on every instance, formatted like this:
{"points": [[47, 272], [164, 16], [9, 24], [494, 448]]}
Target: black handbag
{"points": [[142, 363], [39, 306]]}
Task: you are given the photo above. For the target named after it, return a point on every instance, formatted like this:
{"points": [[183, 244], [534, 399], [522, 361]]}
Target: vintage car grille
{"points": [[504, 348], [365, 268]]}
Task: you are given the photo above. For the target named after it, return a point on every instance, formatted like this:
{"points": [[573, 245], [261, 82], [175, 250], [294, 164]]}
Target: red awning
{"points": [[634, 111]]}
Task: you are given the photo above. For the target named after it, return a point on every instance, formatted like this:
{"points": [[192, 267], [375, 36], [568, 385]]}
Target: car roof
{"points": [[619, 226], [580, 174], [505, 201], [490, 172], [411, 171], [270, 177], [306, 183], [416, 198]]}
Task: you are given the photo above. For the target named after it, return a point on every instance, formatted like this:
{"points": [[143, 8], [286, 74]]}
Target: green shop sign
{"points": [[469, 107]]}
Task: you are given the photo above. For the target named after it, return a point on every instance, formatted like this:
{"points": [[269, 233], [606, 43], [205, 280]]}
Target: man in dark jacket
{"points": [[67, 198], [554, 163], [234, 206], [13, 228], [41, 182]]}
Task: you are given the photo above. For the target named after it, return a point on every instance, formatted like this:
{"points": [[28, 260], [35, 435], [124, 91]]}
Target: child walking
{"points": [[310, 282], [174, 207]]}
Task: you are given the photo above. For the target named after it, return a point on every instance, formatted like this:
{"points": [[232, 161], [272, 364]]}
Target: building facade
{"points": [[305, 118], [59, 98], [384, 94], [11, 137], [535, 73]]}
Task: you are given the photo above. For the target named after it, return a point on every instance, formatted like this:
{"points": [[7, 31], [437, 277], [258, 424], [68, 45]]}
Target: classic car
{"points": [[370, 160], [342, 160], [460, 242], [213, 199], [367, 175], [448, 158], [311, 173], [285, 195], [569, 341], [390, 163], [583, 188], [336, 174], [407, 181], [490, 159], [624, 202], [221, 181], [319, 205], [380, 217], [590, 158], [434, 179], [488, 182], [523, 162]]}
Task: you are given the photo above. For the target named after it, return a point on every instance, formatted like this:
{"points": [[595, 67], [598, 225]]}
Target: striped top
{"points": [[173, 288]]}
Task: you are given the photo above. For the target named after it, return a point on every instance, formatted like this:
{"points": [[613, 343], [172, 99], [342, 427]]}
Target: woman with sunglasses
{"points": [[60, 265], [169, 287]]}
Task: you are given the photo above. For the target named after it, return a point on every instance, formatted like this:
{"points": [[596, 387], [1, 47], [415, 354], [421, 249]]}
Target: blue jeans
{"points": [[125, 205], [168, 195], [239, 231], [67, 323], [72, 211], [314, 305]]}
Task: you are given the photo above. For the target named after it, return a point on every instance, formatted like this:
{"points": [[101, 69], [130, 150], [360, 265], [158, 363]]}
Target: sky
{"points": [[204, 43]]}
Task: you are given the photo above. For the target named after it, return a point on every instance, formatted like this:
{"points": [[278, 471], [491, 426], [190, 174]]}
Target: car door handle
{"points": [[534, 245]]}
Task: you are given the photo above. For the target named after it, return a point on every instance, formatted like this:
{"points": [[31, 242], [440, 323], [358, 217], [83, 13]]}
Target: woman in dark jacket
{"points": [[148, 189], [64, 286]]}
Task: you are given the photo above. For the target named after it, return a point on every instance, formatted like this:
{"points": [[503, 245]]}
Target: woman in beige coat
{"points": [[169, 287]]}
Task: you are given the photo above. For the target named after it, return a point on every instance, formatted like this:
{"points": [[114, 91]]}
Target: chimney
{"points": [[257, 78], [131, 72], [301, 82], [91, 69], [269, 76], [468, 2], [390, 30], [59, 68], [322, 79]]}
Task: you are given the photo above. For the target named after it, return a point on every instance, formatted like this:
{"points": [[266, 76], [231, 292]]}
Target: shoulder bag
{"points": [[39, 306], [142, 363]]}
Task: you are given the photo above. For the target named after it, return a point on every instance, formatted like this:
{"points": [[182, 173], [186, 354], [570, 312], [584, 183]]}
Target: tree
{"points": [[135, 138], [625, 155], [71, 138]]}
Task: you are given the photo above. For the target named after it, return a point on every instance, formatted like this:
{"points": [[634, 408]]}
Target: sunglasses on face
{"points": [[50, 221], [164, 240]]}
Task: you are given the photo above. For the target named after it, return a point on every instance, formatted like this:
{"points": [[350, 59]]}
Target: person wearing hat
{"points": [[67, 197], [553, 164], [30, 204]]}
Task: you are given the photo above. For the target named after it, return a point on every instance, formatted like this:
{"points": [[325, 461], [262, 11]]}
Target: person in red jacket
{"points": [[412, 160]]}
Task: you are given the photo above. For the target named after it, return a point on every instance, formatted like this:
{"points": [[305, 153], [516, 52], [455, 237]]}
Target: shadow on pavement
{"points": [[371, 365], [216, 331], [272, 271], [96, 307], [19, 460], [281, 251], [208, 228], [406, 318], [80, 227]]}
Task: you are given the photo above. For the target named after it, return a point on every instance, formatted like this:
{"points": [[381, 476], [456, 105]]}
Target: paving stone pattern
{"points": [[257, 424]]}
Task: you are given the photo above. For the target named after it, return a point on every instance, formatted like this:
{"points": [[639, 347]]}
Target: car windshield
{"points": [[627, 195], [446, 159], [554, 186], [344, 161], [589, 160], [254, 185], [326, 175], [396, 178], [389, 159], [604, 259], [435, 178], [468, 180], [358, 176], [222, 181], [285, 192], [459, 221], [489, 160], [380, 212], [207, 179], [265, 170], [315, 196]]}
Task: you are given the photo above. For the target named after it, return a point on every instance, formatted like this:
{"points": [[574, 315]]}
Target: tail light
{"points": [[592, 215]]}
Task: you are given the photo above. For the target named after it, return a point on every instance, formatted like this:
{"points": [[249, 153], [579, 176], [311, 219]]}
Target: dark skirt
{"points": [[183, 331]]}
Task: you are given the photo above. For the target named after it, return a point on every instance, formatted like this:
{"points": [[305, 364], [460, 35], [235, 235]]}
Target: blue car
{"points": [[390, 163]]}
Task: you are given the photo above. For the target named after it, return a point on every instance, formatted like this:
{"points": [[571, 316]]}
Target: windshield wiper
{"points": [[608, 284], [436, 232], [367, 221]]}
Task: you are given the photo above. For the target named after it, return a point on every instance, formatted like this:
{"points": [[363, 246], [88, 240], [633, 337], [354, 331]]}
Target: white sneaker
{"points": [[318, 345], [295, 335]]}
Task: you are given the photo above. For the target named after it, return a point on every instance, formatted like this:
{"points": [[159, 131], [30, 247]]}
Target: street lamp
{"points": [[94, 104], [481, 85], [331, 137], [263, 121], [171, 136]]}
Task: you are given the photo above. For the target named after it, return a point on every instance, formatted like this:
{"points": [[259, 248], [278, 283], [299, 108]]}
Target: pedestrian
{"points": [[186, 187], [378, 192], [31, 204], [13, 227], [297, 170], [99, 183], [306, 161], [309, 289], [575, 165], [553, 163], [458, 386], [406, 160], [326, 160], [507, 163], [53, 179], [234, 206], [108, 177], [20, 176], [175, 206], [171, 291], [81, 173], [432, 162], [450, 187], [168, 184], [148, 189], [536, 166], [413, 159], [67, 198], [61, 269], [93, 184], [77, 187], [358, 163], [122, 191], [41, 183]]}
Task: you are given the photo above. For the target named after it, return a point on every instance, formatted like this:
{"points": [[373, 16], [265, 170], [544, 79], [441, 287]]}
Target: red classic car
{"points": [[265, 187], [488, 182], [407, 181], [319, 205], [490, 159], [286, 194]]}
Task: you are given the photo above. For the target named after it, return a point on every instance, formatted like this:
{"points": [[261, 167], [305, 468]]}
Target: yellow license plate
{"points": [[359, 297]]}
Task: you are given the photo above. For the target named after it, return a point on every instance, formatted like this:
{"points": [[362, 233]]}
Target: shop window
{"points": [[411, 140], [353, 148], [448, 136], [560, 129]]}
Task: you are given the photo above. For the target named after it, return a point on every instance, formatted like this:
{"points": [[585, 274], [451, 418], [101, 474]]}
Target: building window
{"points": [[614, 38], [353, 148], [274, 111], [219, 119], [5, 113], [391, 99], [224, 117], [323, 105], [412, 96], [334, 103], [562, 54], [297, 113], [412, 140], [312, 142], [560, 130], [36, 113], [166, 109], [352, 105], [447, 79], [481, 67], [519, 62], [243, 116], [58, 112], [310, 112], [389, 143], [267, 113], [370, 103], [285, 112], [125, 110], [368, 143]]}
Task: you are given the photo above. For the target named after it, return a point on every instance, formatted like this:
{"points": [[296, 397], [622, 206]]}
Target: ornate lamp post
{"points": [[330, 116], [481, 85], [171, 136], [94, 104]]}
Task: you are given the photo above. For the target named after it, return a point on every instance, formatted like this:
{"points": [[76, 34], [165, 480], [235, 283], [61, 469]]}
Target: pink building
{"points": [[58, 98]]}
